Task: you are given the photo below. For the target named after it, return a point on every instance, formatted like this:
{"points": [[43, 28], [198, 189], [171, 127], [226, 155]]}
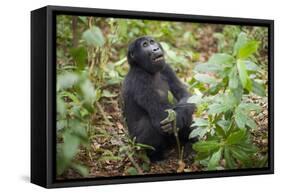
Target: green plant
{"points": [[225, 116]]}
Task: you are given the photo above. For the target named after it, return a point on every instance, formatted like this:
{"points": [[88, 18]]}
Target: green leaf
{"points": [[81, 169], [258, 89], [206, 146], [94, 37], [204, 78], [67, 80], [132, 171], [221, 59], [229, 160], [218, 108], [248, 148], [207, 68], [79, 129], [88, 91], [248, 49], [79, 55], [70, 145], [250, 107], [251, 66], [239, 154], [251, 123], [236, 137], [240, 118], [199, 122], [195, 99], [243, 74], [241, 41], [214, 160], [224, 124], [61, 107], [199, 131], [61, 124], [233, 79]]}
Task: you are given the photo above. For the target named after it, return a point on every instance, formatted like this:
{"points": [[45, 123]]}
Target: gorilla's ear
{"points": [[131, 53]]}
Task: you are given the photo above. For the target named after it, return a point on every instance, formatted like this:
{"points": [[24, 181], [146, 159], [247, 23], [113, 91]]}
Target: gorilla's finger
{"points": [[165, 121]]}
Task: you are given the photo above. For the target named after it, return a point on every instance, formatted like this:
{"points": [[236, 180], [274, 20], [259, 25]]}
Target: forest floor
{"points": [[102, 166]]}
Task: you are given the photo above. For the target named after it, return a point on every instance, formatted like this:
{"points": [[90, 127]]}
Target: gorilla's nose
{"points": [[156, 49]]}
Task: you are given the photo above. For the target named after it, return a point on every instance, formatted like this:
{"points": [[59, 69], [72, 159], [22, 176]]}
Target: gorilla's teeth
{"points": [[158, 59]]}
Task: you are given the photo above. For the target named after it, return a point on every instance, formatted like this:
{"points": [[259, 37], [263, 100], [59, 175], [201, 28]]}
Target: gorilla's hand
{"points": [[184, 114], [168, 125]]}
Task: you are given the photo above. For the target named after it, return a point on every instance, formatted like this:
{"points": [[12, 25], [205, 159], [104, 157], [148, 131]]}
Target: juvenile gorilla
{"points": [[145, 95]]}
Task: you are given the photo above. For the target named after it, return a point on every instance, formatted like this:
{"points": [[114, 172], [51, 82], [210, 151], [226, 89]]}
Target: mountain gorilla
{"points": [[145, 95]]}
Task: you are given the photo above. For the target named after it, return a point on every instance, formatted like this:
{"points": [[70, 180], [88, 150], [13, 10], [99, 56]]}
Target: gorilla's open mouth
{"points": [[158, 58]]}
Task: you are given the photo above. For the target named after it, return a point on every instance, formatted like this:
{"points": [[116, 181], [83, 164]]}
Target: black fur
{"points": [[145, 95]]}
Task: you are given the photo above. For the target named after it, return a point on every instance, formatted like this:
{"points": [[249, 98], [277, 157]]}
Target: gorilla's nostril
{"points": [[156, 49]]}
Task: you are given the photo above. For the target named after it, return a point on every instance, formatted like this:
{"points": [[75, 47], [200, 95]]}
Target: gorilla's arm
{"points": [[183, 109], [177, 88], [148, 99]]}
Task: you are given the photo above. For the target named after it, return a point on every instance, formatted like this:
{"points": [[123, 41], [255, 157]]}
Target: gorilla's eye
{"points": [[152, 41], [145, 44]]}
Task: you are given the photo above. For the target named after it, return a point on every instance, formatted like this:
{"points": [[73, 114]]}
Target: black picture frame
{"points": [[43, 95]]}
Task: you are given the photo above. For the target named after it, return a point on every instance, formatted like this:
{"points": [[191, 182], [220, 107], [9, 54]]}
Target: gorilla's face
{"points": [[146, 53]]}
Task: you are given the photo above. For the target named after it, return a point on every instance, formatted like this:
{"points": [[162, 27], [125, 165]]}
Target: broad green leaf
{"points": [[258, 89], [243, 74], [81, 169], [207, 68], [61, 124], [250, 107], [88, 91], [206, 146], [94, 37], [132, 171], [241, 41], [239, 154], [67, 80], [61, 107], [221, 59], [229, 160], [204, 78], [237, 93], [251, 123], [248, 148], [79, 55], [251, 66], [248, 49], [218, 108], [240, 118], [70, 145], [236, 137], [202, 155], [199, 122], [195, 99], [199, 131], [214, 160], [233, 79], [78, 128], [224, 124]]}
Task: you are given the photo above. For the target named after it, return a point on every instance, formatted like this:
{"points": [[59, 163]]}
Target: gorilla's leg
{"points": [[145, 134]]}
